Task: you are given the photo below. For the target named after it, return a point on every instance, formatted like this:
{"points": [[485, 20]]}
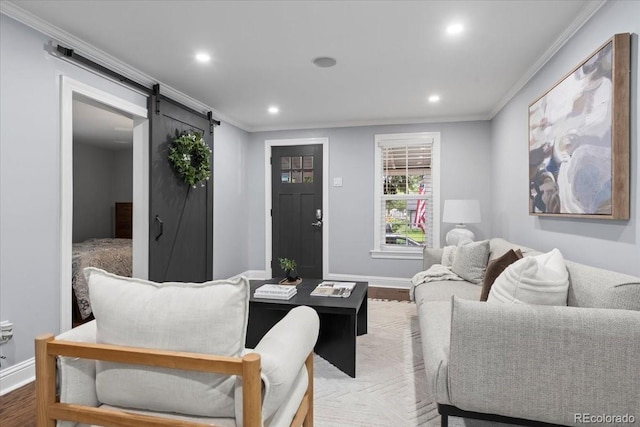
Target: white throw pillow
{"points": [[208, 317], [541, 280], [470, 261], [448, 255]]}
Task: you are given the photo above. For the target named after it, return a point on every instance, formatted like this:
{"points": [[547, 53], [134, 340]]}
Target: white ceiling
{"points": [[97, 124], [392, 55]]}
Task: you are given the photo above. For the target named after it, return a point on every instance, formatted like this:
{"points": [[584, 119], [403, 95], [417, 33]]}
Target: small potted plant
{"points": [[289, 268]]}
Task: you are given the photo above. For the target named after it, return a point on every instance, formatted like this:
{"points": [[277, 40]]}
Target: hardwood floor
{"points": [[394, 294], [18, 408]]}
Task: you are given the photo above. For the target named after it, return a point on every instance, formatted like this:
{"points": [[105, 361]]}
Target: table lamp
{"points": [[460, 212]]}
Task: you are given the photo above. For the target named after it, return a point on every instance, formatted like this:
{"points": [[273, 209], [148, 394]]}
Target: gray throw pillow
{"points": [[471, 260]]}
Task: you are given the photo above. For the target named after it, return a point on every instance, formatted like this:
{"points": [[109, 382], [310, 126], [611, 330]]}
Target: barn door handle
{"points": [[159, 221]]}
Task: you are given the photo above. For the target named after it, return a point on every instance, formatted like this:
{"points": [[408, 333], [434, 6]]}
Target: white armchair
{"points": [[102, 379]]}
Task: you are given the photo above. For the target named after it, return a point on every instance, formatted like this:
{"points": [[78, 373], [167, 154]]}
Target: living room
{"points": [[484, 159]]}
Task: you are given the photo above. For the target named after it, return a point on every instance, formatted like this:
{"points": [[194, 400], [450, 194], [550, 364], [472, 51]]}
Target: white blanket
{"points": [[436, 272]]}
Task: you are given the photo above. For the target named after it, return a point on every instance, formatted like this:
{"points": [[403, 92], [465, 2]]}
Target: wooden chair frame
{"points": [[48, 409]]}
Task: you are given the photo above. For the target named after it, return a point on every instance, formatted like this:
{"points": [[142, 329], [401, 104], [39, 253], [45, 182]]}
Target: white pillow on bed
{"points": [[208, 317], [541, 279]]}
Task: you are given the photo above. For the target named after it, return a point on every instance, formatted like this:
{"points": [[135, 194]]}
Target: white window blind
{"points": [[404, 192]]}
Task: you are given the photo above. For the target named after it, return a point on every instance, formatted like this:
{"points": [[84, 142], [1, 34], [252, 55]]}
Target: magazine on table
{"points": [[334, 289]]}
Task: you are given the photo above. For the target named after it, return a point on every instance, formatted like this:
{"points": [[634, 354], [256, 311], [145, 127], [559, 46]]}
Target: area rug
{"points": [[389, 386], [390, 378]]}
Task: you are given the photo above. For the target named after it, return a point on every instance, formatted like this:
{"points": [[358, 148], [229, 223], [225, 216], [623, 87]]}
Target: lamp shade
{"points": [[461, 211]]}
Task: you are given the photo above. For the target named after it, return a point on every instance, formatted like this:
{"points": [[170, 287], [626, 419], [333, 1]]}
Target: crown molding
{"points": [[60, 36], [380, 122], [587, 12], [96, 55]]}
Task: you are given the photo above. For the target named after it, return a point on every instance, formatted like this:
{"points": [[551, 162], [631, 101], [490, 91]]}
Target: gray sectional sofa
{"points": [[529, 364]]}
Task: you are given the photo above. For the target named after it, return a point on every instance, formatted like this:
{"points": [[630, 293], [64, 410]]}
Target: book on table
{"points": [[274, 291], [334, 289]]}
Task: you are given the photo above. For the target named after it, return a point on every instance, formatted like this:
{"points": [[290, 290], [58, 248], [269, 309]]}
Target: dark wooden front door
{"points": [[181, 217], [296, 177]]}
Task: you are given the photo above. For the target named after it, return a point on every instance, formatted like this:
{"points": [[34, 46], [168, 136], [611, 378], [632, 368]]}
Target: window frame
{"points": [[381, 249]]}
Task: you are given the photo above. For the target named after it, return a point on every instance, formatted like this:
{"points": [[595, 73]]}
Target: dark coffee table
{"points": [[341, 320]]}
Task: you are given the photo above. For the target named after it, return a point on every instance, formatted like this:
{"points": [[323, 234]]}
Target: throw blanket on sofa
{"points": [[437, 272]]}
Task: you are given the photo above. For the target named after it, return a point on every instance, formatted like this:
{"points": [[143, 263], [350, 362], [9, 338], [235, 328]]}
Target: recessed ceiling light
{"points": [[434, 98], [273, 110], [203, 57], [324, 62], [455, 29]]}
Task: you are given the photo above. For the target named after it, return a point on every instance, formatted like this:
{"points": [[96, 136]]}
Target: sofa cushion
{"points": [[448, 255], [218, 422], [443, 290], [435, 331], [431, 256], [499, 246], [495, 268], [540, 279], [206, 317], [597, 288], [470, 261], [543, 363]]}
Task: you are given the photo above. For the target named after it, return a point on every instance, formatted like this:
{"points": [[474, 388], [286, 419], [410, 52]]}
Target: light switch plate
{"points": [[337, 181]]}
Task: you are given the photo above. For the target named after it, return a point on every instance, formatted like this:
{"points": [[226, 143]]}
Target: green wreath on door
{"points": [[190, 156]]}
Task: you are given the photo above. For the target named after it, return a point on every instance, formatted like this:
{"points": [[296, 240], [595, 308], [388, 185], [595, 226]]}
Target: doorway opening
{"points": [[104, 184]]}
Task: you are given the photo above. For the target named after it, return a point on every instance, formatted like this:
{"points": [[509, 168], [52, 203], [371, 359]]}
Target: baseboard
{"points": [[374, 281], [16, 376], [253, 275]]}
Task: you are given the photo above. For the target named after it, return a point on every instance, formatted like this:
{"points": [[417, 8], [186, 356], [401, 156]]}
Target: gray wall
{"points": [[608, 244], [30, 186], [465, 173], [485, 160], [231, 238], [101, 177], [30, 182], [122, 175]]}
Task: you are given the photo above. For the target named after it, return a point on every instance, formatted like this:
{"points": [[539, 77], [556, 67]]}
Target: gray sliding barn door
{"points": [[181, 217]]}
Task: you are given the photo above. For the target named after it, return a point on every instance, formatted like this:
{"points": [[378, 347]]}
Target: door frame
{"points": [[268, 144], [140, 236]]}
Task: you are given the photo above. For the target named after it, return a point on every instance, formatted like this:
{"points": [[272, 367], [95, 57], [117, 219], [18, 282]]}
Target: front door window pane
{"points": [[296, 169], [307, 177], [296, 162], [307, 162], [285, 163]]}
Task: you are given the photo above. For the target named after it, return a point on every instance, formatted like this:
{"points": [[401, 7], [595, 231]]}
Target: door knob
{"points": [[317, 224]]}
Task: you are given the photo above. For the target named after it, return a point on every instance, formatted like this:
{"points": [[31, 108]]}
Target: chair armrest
{"points": [[283, 351], [544, 363], [77, 377]]}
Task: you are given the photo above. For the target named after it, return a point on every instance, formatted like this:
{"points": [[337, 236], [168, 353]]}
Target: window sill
{"points": [[390, 254]]}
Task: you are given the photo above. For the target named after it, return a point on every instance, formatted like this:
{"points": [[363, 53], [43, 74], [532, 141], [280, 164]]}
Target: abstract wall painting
{"points": [[579, 139]]}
